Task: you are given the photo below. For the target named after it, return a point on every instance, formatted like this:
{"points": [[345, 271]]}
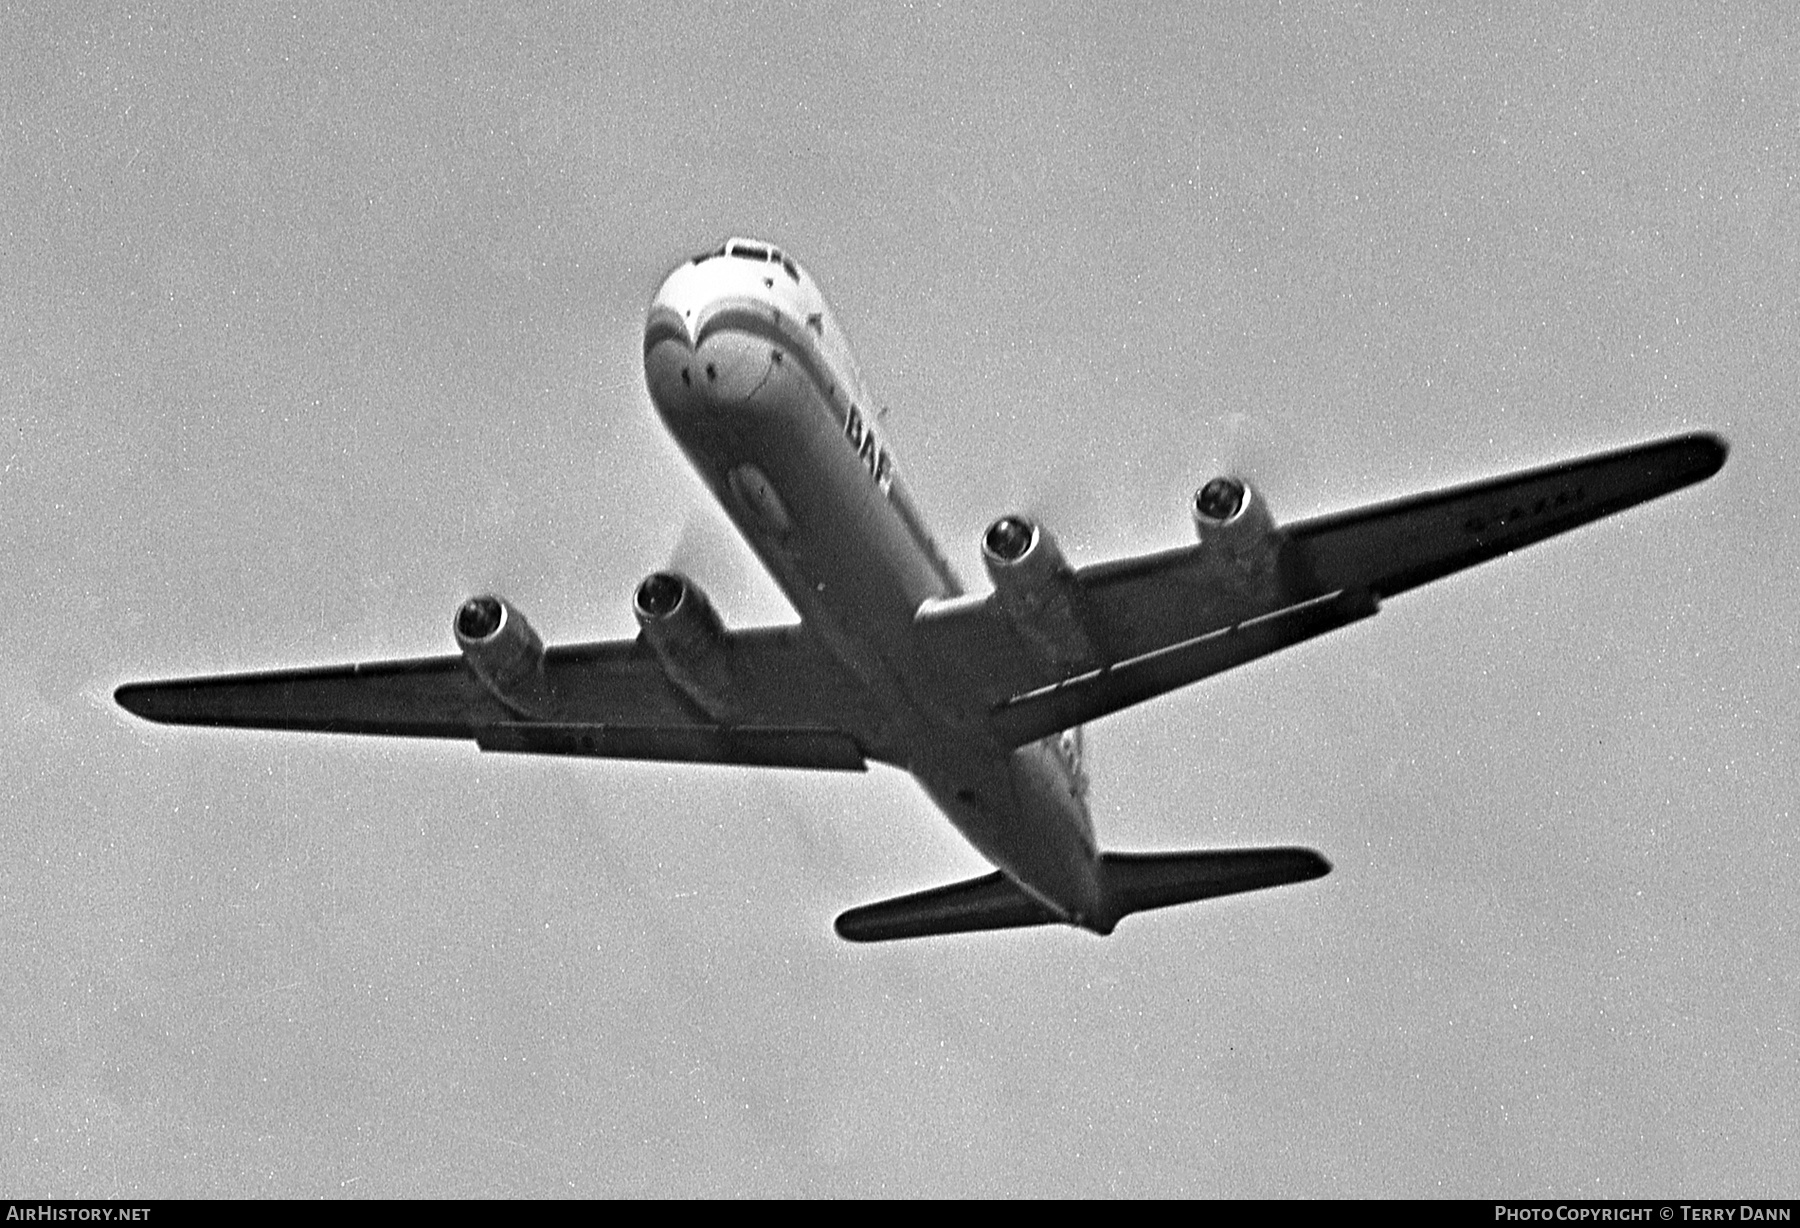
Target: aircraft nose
{"points": [[666, 324], [672, 311], [695, 360], [669, 340]]}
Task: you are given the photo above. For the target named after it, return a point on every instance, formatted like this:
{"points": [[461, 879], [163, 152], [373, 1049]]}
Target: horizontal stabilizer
{"points": [[1134, 882], [1138, 882], [991, 902]]}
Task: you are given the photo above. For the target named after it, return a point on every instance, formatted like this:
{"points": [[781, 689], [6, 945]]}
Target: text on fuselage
{"points": [[868, 449]]}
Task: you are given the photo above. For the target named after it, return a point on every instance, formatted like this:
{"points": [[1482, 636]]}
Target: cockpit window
{"points": [[746, 250]]}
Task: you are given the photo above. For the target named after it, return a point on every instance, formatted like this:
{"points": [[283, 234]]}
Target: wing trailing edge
{"points": [[609, 700], [748, 746], [1133, 882], [1090, 696]]}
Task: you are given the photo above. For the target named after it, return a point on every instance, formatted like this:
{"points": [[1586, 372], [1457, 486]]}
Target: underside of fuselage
{"points": [[741, 373]]}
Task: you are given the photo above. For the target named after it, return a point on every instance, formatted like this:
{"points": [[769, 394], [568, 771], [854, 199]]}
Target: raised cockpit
{"points": [[750, 249]]}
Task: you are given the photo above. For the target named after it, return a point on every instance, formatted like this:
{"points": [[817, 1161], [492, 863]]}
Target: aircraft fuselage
{"points": [[979, 696], [752, 375]]}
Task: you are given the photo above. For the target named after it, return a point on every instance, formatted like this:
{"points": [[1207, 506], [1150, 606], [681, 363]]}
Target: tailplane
{"points": [[1134, 882]]}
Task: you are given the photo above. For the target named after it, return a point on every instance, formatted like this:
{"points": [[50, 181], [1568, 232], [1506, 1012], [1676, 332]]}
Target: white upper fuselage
{"points": [[753, 376]]}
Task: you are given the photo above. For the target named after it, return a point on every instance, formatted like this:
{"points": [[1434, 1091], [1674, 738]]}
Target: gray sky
{"points": [[312, 324]]}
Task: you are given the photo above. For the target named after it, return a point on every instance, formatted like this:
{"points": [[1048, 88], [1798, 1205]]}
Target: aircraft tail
{"points": [[1134, 882]]}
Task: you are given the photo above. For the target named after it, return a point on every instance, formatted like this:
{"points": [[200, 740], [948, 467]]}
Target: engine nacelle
{"points": [[688, 638], [504, 653], [1035, 587], [1237, 532]]}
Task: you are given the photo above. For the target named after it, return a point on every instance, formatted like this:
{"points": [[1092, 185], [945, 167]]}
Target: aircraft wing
{"points": [[609, 700], [1391, 547], [1165, 620]]}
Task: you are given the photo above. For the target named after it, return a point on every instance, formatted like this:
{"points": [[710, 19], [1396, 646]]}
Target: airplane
{"points": [[981, 696]]}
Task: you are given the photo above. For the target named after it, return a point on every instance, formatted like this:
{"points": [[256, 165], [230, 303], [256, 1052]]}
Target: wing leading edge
{"points": [[610, 700]]}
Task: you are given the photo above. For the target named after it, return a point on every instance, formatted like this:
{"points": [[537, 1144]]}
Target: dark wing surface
{"points": [[1164, 620], [608, 700], [1391, 547]]}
